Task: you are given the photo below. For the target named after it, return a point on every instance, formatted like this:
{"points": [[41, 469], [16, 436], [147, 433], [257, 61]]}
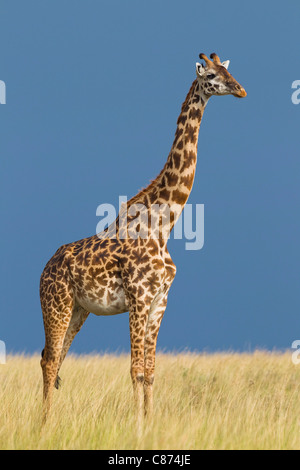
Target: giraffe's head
{"points": [[214, 79]]}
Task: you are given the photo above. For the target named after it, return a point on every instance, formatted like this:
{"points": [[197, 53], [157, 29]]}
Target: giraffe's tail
{"points": [[58, 379]]}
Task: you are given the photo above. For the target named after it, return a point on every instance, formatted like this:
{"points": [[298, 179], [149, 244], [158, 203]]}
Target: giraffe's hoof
{"points": [[57, 382]]}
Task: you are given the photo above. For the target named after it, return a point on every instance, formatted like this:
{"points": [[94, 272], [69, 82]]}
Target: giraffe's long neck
{"points": [[173, 185]]}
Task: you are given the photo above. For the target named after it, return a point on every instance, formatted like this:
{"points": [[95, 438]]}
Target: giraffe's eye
{"points": [[210, 76]]}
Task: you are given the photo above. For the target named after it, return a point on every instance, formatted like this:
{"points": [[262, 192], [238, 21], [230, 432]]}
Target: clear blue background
{"points": [[94, 89]]}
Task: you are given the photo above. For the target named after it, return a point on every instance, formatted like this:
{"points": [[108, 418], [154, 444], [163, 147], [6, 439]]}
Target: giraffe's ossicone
{"points": [[110, 273]]}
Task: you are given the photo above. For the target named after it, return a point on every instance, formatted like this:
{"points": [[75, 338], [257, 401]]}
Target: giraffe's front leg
{"points": [[142, 288], [138, 315], [154, 321]]}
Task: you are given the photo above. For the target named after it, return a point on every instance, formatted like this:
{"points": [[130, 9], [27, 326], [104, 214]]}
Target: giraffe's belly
{"points": [[110, 303]]}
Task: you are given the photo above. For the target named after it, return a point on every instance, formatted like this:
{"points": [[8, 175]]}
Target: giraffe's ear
{"points": [[200, 69], [226, 64]]}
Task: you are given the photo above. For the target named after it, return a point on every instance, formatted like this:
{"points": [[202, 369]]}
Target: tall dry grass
{"points": [[219, 401]]}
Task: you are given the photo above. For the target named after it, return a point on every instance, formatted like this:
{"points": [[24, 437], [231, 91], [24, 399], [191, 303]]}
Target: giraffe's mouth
{"points": [[240, 94]]}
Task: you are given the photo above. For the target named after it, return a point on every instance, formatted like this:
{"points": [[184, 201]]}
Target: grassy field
{"points": [[219, 401]]}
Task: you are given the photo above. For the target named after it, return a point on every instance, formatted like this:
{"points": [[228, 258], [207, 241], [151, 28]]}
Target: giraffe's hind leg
{"points": [[57, 312], [79, 315]]}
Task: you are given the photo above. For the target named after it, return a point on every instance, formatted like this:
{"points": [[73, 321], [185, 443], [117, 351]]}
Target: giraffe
{"points": [[108, 274]]}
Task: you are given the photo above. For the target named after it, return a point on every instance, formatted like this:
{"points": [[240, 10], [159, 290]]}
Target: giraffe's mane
{"points": [[144, 191], [188, 96], [153, 182]]}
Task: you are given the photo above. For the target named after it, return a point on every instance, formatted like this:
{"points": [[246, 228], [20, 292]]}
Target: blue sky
{"points": [[94, 90]]}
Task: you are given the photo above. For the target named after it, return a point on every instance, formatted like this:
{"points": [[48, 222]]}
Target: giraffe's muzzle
{"points": [[239, 92]]}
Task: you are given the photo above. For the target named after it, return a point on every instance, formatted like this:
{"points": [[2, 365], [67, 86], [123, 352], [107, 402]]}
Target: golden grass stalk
{"points": [[201, 401]]}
